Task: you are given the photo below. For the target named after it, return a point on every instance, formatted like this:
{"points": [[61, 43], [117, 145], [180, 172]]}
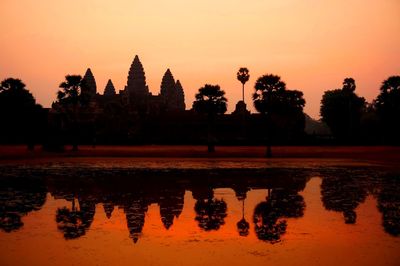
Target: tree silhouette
{"points": [[18, 198], [272, 99], [343, 194], [341, 110], [268, 215], [388, 108], [389, 204], [72, 96], [243, 226], [210, 213], [21, 118], [349, 84], [75, 222], [210, 100], [243, 76]]}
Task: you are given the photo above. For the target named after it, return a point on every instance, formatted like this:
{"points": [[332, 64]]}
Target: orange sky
{"points": [[313, 45]]}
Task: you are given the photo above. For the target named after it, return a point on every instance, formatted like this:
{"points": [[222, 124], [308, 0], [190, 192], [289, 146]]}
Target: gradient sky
{"points": [[312, 44]]}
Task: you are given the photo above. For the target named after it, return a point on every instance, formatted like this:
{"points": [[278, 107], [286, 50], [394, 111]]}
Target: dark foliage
{"points": [[21, 119], [342, 109], [18, 198], [210, 213], [282, 108], [268, 215], [75, 222], [387, 105], [389, 204], [73, 99], [210, 100], [343, 194]]}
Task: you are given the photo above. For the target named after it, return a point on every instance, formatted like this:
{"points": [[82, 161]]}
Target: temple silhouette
{"points": [[134, 115], [136, 95]]}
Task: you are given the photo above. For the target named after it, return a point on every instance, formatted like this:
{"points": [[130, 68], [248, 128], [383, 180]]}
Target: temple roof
{"points": [[167, 84], [90, 81], [180, 95], [109, 89], [136, 78]]}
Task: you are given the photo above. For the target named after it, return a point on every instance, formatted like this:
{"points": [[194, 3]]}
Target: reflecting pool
{"points": [[64, 215]]}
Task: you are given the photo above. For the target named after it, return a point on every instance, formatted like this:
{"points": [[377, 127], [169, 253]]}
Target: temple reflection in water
{"points": [[133, 193]]}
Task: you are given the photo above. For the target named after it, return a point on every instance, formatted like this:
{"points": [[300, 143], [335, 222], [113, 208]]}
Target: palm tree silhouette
{"points": [[210, 213], [74, 222], [266, 97], [71, 97], [210, 100], [243, 76], [243, 226]]}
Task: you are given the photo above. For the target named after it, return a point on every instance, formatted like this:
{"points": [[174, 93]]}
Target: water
{"points": [[198, 214]]}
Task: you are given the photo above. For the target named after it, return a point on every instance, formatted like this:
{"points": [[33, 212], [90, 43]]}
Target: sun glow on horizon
{"points": [[312, 45]]}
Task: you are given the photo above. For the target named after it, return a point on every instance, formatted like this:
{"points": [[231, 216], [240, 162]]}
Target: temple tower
{"points": [[180, 96], [90, 83], [109, 90], [136, 88], [172, 93], [168, 88]]}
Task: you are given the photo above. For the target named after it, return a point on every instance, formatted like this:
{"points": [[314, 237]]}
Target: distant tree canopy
{"points": [[342, 109], [283, 108], [20, 116], [387, 106], [210, 100]]}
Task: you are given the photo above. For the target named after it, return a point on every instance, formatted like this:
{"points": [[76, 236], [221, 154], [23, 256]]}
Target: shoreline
{"points": [[282, 155]]}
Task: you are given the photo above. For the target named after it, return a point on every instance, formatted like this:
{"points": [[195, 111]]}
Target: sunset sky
{"points": [[312, 44]]}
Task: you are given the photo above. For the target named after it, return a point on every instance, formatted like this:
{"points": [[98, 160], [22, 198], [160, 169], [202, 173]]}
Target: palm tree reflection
{"points": [[76, 221], [268, 216], [210, 212], [243, 226], [389, 204], [241, 193], [343, 194]]}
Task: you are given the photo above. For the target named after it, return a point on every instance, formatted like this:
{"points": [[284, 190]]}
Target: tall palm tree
{"points": [[70, 97], [243, 76], [278, 104], [210, 100], [243, 226], [266, 97]]}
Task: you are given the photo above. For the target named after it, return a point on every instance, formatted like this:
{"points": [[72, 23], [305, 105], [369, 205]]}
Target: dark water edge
{"points": [[78, 191]]}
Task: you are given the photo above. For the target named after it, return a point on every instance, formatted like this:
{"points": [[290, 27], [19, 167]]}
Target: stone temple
{"points": [[133, 115], [136, 95]]}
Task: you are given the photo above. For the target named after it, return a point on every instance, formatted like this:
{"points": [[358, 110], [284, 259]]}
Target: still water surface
{"points": [[205, 216]]}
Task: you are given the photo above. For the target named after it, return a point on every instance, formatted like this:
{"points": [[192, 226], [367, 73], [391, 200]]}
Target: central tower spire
{"points": [[136, 87]]}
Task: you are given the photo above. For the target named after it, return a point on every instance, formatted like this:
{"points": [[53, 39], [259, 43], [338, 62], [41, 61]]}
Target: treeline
{"points": [[22, 120], [350, 118]]}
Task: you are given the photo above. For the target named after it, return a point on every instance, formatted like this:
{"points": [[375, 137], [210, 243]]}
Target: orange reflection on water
{"points": [[319, 237]]}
